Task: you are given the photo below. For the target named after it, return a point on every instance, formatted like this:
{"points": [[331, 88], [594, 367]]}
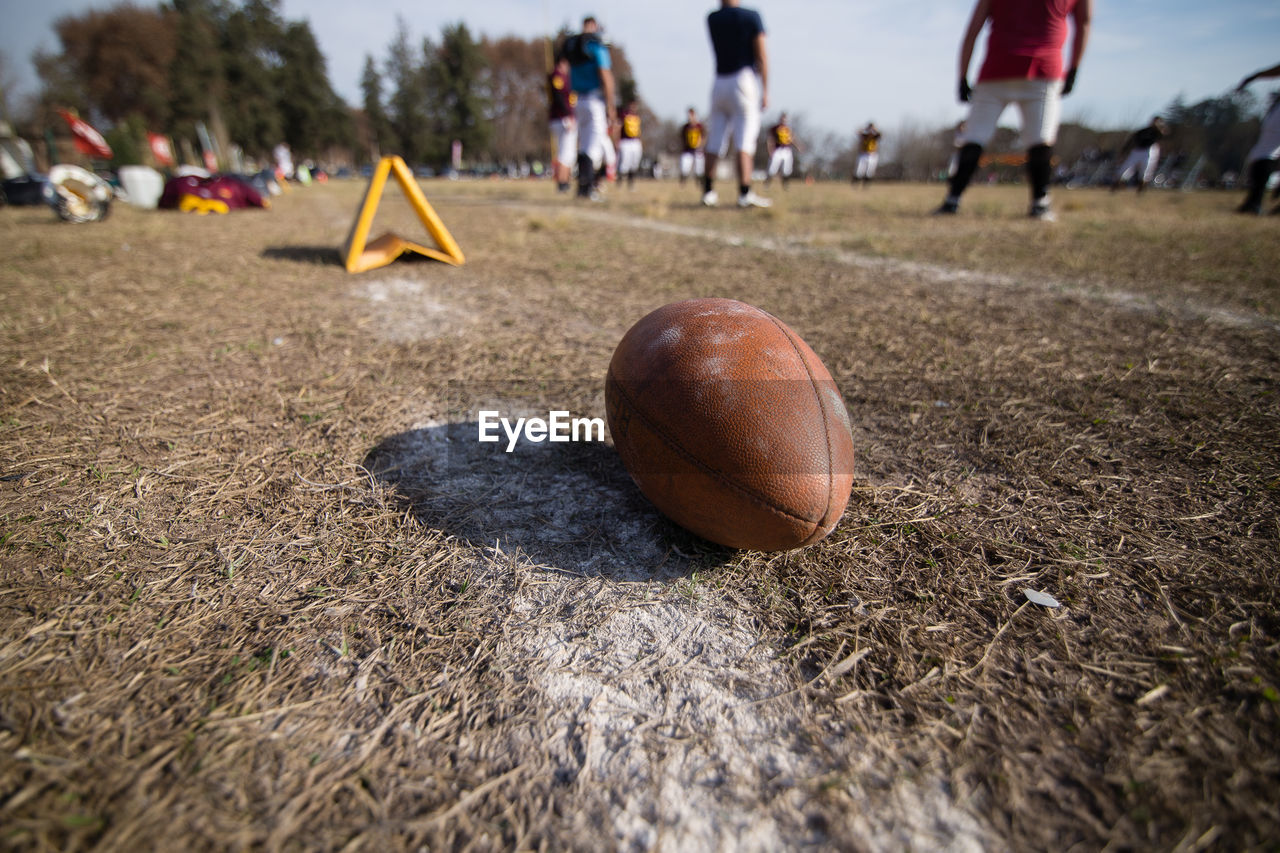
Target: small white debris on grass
{"points": [[1044, 599], [1153, 694]]}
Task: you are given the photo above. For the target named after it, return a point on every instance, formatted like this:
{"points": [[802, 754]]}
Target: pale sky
{"points": [[836, 64]]}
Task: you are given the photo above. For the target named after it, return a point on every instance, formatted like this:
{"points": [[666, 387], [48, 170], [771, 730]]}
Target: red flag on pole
{"points": [[160, 149], [88, 141]]}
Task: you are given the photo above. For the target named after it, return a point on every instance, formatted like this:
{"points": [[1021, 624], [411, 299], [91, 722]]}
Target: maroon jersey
{"points": [[1026, 39], [560, 95]]}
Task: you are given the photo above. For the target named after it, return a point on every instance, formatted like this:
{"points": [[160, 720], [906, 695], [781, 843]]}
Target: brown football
{"points": [[731, 425]]}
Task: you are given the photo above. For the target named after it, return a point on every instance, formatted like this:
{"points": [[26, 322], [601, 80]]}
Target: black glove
{"points": [[1070, 82], [966, 91]]}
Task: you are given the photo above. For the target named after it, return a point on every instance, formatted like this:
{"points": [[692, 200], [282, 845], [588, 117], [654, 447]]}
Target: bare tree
{"points": [[914, 151], [518, 82], [7, 84], [122, 57]]}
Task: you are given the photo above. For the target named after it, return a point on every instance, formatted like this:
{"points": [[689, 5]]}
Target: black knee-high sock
{"points": [[1040, 169], [966, 165], [586, 174], [1259, 172]]}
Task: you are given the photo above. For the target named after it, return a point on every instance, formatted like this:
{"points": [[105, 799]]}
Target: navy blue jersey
{"points": [[733, 36], [1147, 137]]}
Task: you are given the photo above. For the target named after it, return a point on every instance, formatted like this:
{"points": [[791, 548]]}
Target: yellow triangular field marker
{"points": [[359, 255]]}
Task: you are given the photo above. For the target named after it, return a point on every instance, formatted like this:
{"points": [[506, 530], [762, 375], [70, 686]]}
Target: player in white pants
{"points": [[782, 162], [692, 135], [739, 93], [782, 150], [1143, 157], [564, 130], [630, 149], [868, 154], [591, 75], [1262, 158], [1023, 66]]}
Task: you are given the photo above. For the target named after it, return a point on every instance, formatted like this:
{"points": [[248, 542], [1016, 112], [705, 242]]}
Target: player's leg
{"points": [[557, 143], [1147, 168], [718, 127], [1126, 171], [1041, 106], [775, 164], [1121, 176], [635, 153], [985, 106], [566, 149], [1262, 160], [609, 152], [1040, 174], [590, 114], [1259, 172], [746, 132]]}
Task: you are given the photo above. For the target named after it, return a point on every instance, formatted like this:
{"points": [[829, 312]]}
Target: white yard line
{"points": [[938, 273]]}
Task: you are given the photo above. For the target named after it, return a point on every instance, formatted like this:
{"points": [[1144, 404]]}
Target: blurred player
{"points": [[630, 149], [739, 93], [1023, 66], [782, 146], [868, 154], [1261, 160], [591, 75], [563, 129], [284, 161], [1142, 155], [692, 134]]}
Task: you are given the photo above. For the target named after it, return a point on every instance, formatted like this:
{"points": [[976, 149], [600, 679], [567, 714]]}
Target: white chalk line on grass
{"points": [[940, 274], [655, 692]]}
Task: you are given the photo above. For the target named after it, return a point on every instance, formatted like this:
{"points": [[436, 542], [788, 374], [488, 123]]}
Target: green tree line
{"points": [[254, 79]]}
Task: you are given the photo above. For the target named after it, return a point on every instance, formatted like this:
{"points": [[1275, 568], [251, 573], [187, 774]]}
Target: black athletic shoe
{"points": [[1041, 210], [947, 208]]}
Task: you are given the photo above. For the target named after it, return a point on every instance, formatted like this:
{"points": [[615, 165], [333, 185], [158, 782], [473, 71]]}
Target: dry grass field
{"points": [[261, 588]]}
